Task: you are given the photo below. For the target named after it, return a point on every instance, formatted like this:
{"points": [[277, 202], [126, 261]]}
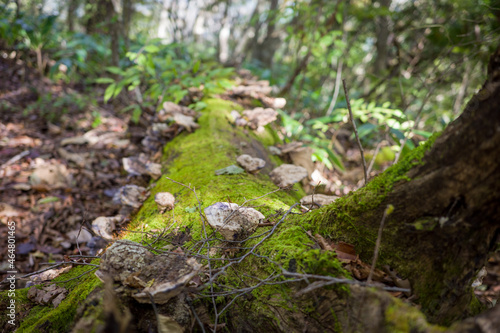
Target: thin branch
{"points": [[372, 162], [387, 212], [77, 277], [355, 130], [417, 119]]}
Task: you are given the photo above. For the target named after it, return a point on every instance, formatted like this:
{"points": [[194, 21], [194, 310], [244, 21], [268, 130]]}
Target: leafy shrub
{"points": [[165, 73]]}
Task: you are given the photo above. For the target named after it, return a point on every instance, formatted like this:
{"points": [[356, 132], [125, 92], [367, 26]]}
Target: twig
{"points": [[190, 303], [355, 130], [77, 277], [387, 212], [15, 159], [372, 162], [37, 272], [417, 119]]}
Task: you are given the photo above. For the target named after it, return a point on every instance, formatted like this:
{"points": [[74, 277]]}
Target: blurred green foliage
{"points": [[410, 66], [161, 75]]}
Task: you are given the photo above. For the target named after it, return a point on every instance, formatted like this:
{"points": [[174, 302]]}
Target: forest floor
{"points": [[61, 152]]}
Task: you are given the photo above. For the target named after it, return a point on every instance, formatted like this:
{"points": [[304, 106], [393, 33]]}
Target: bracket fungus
{"points": [[260, 117], [288, 174], [251, 164], [317, 200], [144, 273], [232, 221]]}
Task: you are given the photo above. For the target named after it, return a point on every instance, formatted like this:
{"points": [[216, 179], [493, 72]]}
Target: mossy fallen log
{"points": [[445, 221]]}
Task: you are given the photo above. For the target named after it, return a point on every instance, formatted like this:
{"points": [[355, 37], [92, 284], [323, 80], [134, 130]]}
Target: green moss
{"points": [[401, 318], [42, 318], [337, 220], [191, 159]]}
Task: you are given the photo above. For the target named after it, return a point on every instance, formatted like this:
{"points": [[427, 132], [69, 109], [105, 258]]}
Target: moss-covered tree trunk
{"points": [[445, 221]]}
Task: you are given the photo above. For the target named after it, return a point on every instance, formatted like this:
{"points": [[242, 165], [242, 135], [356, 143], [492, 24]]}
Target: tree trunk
{"points": [[114, 31], [382, 28], [264, 52], [445, 222], [71, 18], [128, 10]]}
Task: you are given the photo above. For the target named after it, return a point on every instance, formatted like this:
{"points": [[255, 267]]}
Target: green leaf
{"points": [[104, 80], [97, 119], [224, 83], [48, 200], [366, 129], [190, 209], [425, 134], [109, 92], [119, 88], [115, 70], [230, 170], [136, 114], [179, 95], [337, 161], [196, 67], [151, 49]]}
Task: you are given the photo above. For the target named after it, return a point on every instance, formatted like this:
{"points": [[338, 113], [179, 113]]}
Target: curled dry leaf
{"points": [[78, 159], [7, 210], [290, 147], [130, 195], [48, 294], [83, 236], [168, 325], [170, 108], [140, 165], [302, 156], [52, 176], [49, 275]]}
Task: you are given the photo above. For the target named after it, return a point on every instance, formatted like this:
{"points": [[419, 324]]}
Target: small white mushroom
{"points": [[317, 200], [250, 164], [287, 174], [232, 221], [165, 201]]}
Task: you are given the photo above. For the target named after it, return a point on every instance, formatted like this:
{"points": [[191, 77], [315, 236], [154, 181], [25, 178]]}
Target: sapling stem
{"points": [[387, 212], [355, 131]]}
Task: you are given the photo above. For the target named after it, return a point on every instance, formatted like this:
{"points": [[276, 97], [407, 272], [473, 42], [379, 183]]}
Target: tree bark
{"points": [[70, 19], [264, 52], [382, 29], [128, 10], [445, 222]]}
